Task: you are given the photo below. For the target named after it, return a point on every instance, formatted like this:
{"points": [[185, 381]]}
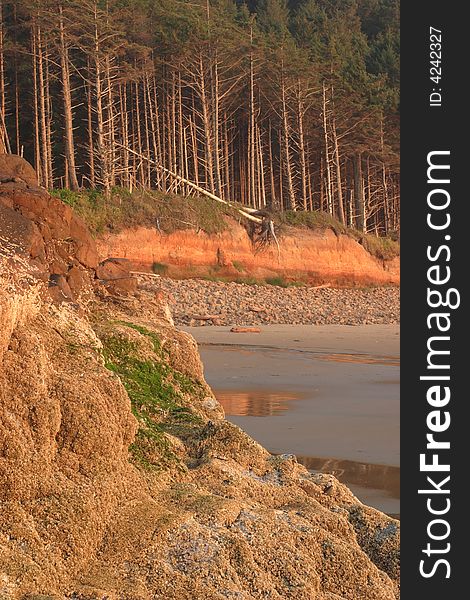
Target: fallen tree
{"points": [[262, 234]]}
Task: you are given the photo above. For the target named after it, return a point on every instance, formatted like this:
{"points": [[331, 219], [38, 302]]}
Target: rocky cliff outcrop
{"points": [[53, 240], [120, 478], [44, 231]]}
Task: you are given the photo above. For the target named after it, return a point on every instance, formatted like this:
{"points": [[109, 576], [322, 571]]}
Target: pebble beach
{"points": [[198, 302]]}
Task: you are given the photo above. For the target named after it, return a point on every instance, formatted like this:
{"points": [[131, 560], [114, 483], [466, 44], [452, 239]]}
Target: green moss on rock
{"points": [[157, 392]]}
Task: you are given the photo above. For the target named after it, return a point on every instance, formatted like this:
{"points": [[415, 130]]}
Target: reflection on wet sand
{"points": [[259, 403], [330, 392], [376, 485], [343, 357], [363, 474], [364, 359]]}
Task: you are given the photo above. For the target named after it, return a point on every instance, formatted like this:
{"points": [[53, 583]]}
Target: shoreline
{"points": [[333, 390], [365, 339], [327, 394]]}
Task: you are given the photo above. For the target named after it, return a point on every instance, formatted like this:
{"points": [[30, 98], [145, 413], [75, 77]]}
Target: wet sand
{"points": [[328, 394]]}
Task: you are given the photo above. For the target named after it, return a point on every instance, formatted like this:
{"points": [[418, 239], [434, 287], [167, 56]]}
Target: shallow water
{"points": [[375, 485], [328, 394]]}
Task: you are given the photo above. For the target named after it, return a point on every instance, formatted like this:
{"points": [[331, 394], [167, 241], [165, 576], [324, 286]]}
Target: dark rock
{"points": [[87, 255], [57, 296], [58, 216], [64, 249], [29, 204]]}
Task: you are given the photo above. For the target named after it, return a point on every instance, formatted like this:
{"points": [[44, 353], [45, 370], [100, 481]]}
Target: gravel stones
{"points": [[250, 305]]}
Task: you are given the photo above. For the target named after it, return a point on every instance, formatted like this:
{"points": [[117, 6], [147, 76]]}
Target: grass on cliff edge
{"points": [[383, 248], [157, 393], [164, 212], [169, 212]]}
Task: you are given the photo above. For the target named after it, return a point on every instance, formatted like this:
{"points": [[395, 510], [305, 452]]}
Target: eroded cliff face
{"points": [[319, 256], [120, 478]]}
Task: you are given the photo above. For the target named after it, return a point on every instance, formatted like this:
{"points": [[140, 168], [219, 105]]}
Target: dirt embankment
{"points": [[315, 256], [120, 478]]}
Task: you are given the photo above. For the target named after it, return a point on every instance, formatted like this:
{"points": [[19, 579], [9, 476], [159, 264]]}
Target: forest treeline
{"points": [[284, 104]]}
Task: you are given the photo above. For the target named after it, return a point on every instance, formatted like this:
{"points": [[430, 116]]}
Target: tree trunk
{"points": [[322, 185], [165, 151], [386, 206], [181, 135], [152, 121], [91, 150], [228, 192], [186, 158], [216, 126], [138, 125], [337, 162], [17, 88], [147, 127], [329, 202], [37, 143], [48, 117], [359, 192], [2, 63], [286, 140], [43, 111], [251, 130], [156, 120], [367, 196], [4, 141], [242, 177], [68, 109], [192, 129], [302, 159], [111, 118], [272, 202], [175, 169], [262, 184], [309, 180], [100, 119], [126, 178], [207, 127], [281, 182]]}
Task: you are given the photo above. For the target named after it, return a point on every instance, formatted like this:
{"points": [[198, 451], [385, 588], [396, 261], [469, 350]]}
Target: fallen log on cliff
{"points": [[264, 235]]}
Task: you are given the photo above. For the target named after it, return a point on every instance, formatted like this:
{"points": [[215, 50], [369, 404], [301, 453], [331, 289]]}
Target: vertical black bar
{"points": [[433, 123]]}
